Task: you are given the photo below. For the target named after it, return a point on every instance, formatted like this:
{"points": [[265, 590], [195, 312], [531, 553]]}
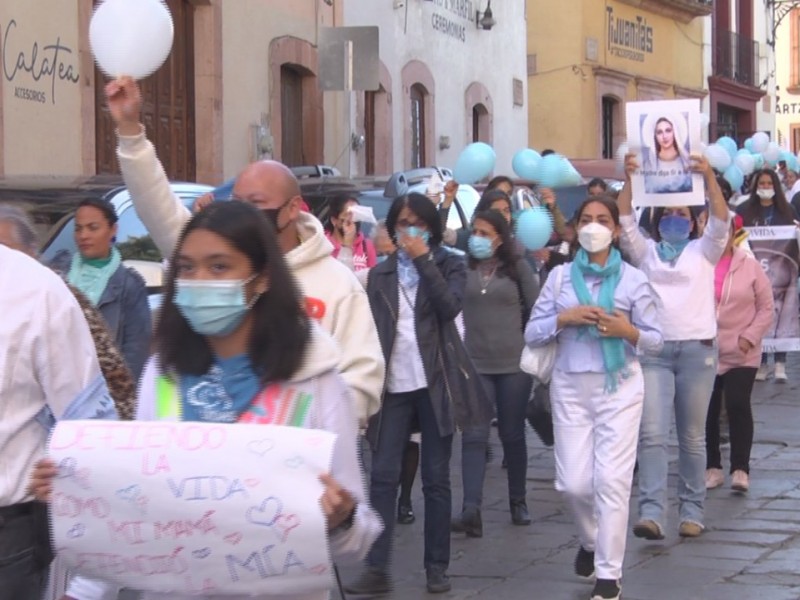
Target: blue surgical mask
{"points": [[415, 231], [674, 229], [480, 247], [213, 308]]}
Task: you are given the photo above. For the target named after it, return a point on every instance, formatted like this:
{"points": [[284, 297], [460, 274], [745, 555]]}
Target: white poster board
{"points": [[192, 508], [776, 249], [663, 134]]}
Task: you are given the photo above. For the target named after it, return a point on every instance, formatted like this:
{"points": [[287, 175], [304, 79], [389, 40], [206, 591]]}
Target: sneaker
{"points": [[762, 373], [780, 373], [584, 563], [690, 529], [373, 582], [405, 514], [648, 529], [606, 589], [714, 478], [741, 481], [438, 581], [469, 522]]}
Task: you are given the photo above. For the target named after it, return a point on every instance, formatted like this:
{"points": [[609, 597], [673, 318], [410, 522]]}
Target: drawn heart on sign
{"points": [[285, 524], [319, 569], [252, 482], [260, 447], [76, 531], [314, 441], [295, 462], [233, 539], [202, 553], [66, 468], [129, 493], [265, 513]]}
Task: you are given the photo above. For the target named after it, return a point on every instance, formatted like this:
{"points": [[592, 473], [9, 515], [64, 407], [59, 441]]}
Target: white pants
{"points": [[596, 434]]}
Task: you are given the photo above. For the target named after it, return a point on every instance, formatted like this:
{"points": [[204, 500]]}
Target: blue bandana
{"points": [[407, 272], [222, 394]]}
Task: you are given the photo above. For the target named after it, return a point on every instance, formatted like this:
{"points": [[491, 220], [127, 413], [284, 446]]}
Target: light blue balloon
{"points": [[791, 161], [735, 177], [475, 162], [743, 151], [759, 161], [729, 144], [748, 145], [526, 163], [534, 227], [553, 171]]}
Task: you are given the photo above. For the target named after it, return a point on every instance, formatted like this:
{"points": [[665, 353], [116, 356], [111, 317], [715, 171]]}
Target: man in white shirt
{"points": [[48, 370]]}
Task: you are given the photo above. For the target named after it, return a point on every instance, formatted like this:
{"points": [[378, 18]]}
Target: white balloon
{"points": [[773, 152], [745, 162], [131, 37], [718, 157], [760, 142], [704, 120]]}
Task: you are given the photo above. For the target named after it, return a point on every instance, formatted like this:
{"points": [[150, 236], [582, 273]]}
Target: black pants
{"points": [[780, 357], [736, 386], [24, 558]]}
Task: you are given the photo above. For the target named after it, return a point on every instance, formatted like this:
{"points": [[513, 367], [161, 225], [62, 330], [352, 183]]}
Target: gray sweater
{"points": [[493, 320]]}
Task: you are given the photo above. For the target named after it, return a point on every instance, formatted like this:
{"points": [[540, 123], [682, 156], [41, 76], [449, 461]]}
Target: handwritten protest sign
{"points": [[192, 508], [776, 248], [663, 134]]}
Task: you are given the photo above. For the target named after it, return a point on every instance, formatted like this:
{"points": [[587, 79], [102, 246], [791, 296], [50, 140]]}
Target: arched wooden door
{"points": [[168, 109]]}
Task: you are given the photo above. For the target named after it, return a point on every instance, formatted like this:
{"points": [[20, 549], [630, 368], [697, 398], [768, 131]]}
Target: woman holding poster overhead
{"points": [[235, 346], [767, 207], [680, 266]]}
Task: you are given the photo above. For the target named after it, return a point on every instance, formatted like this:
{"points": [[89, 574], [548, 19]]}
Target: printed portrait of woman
{"points": [[665, 144]]}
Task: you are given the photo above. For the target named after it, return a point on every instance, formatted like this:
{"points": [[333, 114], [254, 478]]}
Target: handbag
{"points": [[540, 361]]}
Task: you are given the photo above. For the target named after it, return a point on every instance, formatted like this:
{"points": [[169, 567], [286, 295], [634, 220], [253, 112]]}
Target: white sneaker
{"points": [[780, 373], [714, 478], [741, 481], [762, 373]]}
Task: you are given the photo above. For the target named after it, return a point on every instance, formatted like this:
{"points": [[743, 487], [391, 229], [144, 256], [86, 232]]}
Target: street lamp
{"points": [[485, 20]]}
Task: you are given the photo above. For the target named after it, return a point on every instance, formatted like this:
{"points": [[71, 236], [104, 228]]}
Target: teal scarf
{"points": [[670, 252], [92, 279], [613, 348]]}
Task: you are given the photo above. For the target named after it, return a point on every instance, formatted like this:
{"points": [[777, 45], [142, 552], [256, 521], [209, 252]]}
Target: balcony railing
{"points": [[682, 10], [736, 58]]}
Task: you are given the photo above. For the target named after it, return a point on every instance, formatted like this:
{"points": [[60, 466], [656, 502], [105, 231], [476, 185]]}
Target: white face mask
{"points": [[594, 237], [766, 193]]}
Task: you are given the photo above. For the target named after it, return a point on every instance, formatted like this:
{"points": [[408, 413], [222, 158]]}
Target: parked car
{"points": [[51, 204]]}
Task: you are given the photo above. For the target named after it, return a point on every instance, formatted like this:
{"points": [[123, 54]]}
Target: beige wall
{"points": [[40, 100], [568, 83]]}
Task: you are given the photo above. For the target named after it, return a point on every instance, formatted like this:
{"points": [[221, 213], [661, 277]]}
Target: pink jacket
{"points": [[744, 310], [364, 256]]}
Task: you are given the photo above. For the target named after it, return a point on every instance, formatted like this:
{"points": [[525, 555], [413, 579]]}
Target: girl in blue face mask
{"points": [[500, 292], [232, 338], [680, 265]]}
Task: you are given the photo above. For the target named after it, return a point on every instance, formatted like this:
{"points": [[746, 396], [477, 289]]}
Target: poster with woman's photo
{"points": [[663, 134], [776, 248]]}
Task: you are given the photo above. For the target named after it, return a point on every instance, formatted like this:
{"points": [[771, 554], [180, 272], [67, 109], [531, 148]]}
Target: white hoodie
{"points": [[317, 377], [333, 294]]}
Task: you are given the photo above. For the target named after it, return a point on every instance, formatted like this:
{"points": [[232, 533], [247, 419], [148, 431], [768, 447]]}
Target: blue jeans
{"points": [[22, 576], [681, 376], [510, 393], [397, 414]]}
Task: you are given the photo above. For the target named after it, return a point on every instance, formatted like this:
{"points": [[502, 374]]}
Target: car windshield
{"points": [[133, 240]]}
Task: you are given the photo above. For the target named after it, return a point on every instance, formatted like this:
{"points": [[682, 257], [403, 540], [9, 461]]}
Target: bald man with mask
{"points": [[333, 295]]}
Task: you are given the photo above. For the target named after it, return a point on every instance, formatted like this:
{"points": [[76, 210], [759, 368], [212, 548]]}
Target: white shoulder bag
{"points": [[540, 361]]}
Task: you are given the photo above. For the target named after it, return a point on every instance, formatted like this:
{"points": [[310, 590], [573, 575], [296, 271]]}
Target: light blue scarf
{"points": [[407, 272], [613, 348], [90, 278], [222, 394], [670, 252]]}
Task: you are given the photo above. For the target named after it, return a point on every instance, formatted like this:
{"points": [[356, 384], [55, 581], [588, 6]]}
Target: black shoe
{"points": [[606, 589], [584, 563], [438, 581], [373, 582], [519, 513], [405, 514], [468, 522]]}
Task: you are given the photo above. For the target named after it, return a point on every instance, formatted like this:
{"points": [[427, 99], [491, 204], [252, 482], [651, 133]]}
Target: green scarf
{"points": [[613, 348], [91, 276]]}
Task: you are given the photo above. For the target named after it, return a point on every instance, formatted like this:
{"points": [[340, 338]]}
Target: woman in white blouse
{"points": [[680, 266]]}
